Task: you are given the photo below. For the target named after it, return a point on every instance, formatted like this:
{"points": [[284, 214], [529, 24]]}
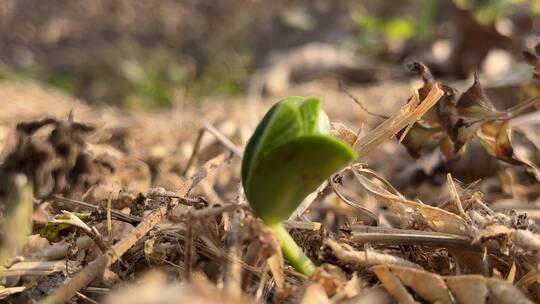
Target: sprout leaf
{"points": [[289, 155]]}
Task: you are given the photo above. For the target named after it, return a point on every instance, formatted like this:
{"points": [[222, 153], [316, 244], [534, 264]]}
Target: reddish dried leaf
{"points": [[474, 103]]}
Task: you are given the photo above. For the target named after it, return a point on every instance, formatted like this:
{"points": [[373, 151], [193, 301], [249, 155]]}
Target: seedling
{"points": [[288, 156]]}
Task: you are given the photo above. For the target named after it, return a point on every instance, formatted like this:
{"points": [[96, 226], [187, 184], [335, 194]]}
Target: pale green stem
{"points": [[292, 251]]}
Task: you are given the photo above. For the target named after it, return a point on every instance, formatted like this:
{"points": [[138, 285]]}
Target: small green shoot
{"points": [[288, 156]]}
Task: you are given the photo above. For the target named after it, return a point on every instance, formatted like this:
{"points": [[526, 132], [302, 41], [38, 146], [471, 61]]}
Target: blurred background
{"points": [[151, 54]]}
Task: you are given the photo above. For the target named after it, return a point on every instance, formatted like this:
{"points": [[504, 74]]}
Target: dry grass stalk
{"points": [[207, 168], [393, 236], [59, 250], [41, 268], [312, 226], [365, 258], [7, 291], [194, 152], [92, 233], [407, 115], [222, 139], [366, 214], [116, 214]]}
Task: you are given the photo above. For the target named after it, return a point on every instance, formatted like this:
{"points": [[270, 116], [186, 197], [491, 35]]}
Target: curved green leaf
{"points": [[285, 176], [289, 156], [288, 119]]}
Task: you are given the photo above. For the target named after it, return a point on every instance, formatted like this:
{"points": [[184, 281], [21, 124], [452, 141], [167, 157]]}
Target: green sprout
{"points": [[288, 156]]}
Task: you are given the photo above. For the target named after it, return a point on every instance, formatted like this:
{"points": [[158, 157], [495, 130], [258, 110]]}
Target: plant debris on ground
{"points": [[441, 205]]}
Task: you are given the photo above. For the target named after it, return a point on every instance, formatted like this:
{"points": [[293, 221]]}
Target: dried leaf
{"points": [[365, 258], [474, 103], [330, 278], [428, 286], [436, 289], [276, 263], [393, 285], [417, 138], [469, 289], [315, 294], [344, 133]]}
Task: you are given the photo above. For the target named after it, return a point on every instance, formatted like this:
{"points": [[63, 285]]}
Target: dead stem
{"points": [[372, 218], [222, 139], [92, 233], [407, 115], [344, 89], [116, 214], [393, 236], [365, 258], [194, 152], [301, 225], [33, 268], [85, 298]]}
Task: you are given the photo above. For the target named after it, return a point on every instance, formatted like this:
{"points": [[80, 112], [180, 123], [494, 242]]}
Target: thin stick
{"points": [[218, 210], [365, 212], [311, 226], [85, 298], [40, 268], [408, 114], [222, 139], [351, 96], [194, 152], [392, 236], [134, 220], [365, 258], [262, 283]]}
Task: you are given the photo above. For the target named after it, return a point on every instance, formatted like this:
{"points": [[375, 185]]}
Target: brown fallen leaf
{"points": [[428, 286], [438, 289], [470, 289]]}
